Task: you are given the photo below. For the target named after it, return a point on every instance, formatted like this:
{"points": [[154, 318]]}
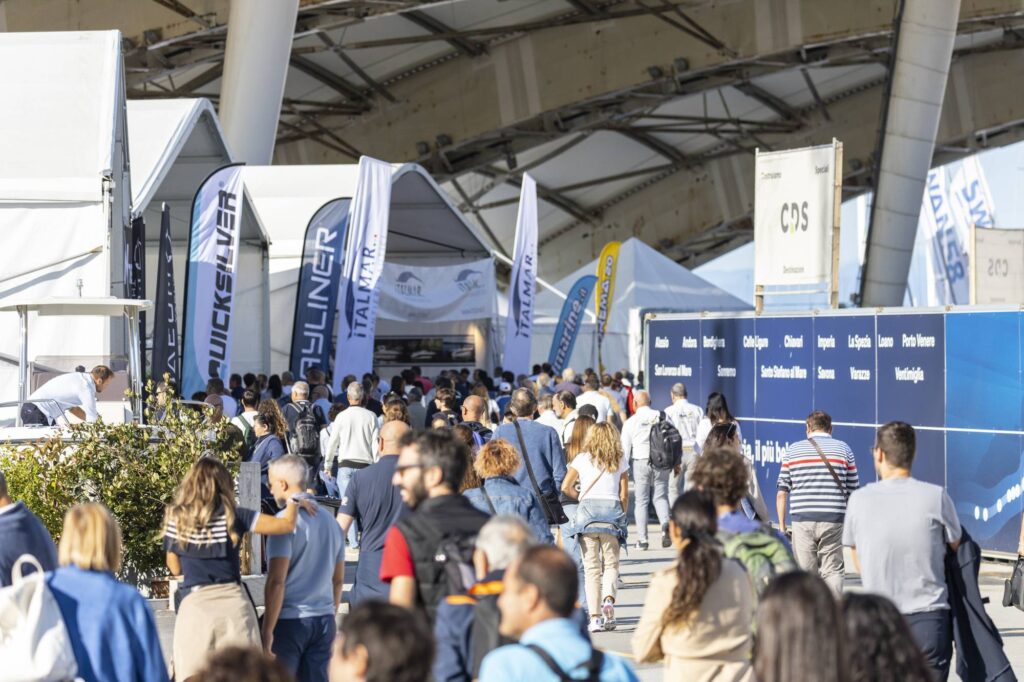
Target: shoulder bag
{"points": [[835, 476], [552, 507]]}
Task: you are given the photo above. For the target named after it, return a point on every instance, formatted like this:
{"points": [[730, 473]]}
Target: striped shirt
{"points": [[814, 495]]}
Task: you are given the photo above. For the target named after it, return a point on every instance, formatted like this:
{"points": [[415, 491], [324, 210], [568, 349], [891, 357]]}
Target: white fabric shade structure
{"points": [[645, 281], [175, 144], [64, 190], [425, 228]]}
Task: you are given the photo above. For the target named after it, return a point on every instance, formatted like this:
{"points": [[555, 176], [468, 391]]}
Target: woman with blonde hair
{"points": [[500, 494], [580, 430], [203, 531], [113, 634], [600, 525]]}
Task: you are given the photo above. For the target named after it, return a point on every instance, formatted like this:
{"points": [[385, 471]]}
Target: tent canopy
{"points": [[645, 280]]}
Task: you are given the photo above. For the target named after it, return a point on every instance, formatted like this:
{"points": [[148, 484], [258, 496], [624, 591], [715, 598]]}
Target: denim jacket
{"points": [[511, 499], [601, 516]]}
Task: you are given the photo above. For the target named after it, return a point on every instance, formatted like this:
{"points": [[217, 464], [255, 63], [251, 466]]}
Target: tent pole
{"points": [[22, 361]]}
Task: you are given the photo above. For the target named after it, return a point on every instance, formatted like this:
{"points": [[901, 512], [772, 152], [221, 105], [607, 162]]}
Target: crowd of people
{"points": [[490, 515]]}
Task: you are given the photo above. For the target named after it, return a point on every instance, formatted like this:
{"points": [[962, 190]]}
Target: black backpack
{"points": [[304, 440], [484, 636], [666, 444], [443, 560]]}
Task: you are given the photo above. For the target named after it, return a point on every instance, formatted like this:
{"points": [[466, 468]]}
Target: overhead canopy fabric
{"points": [[62, 132], [645, 281], [425, 228], [175, 145]]}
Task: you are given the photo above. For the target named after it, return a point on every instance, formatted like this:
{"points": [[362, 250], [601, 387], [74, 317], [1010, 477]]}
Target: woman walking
{"points": [[203, 531], [570, 543], [600, 518], [499, 494], [698, 612], [111, 627], [717, 412]]}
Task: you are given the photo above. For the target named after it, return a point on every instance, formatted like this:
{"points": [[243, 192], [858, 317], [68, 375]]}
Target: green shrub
{"points": [[133, 470]]}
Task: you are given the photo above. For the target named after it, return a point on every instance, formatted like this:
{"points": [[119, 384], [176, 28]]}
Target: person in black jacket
{"points": [[429, 470]]}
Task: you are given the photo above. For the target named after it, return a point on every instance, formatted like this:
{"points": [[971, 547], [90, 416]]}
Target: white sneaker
{"points": [[608, 614], [595, 625]]}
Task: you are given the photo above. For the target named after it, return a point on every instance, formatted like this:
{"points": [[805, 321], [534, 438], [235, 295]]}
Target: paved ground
{"points": [[636, 567]]}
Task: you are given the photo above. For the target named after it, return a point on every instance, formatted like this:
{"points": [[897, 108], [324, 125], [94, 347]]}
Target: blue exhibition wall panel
{"points": [[983, 382], [861, 440], [784, 388], [673, 356], [844, 367], [984, 482], [911, 369], [727, 362]]}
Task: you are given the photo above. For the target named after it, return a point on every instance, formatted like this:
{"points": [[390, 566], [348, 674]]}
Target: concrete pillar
{"points": [[925, 45], [255, 67]]}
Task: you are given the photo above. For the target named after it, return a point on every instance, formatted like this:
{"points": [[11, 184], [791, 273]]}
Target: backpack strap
{"points": [[592, 666], [835, 476]]}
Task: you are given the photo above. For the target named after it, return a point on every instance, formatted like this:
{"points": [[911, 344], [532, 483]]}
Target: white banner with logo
{"points": [[364, 263], [522, 289], [447, 293], [947, 262], [794, 204], [210, 287], [972, 200]]}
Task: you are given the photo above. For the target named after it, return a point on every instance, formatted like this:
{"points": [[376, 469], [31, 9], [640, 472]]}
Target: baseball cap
{"points": [[505, 387]]}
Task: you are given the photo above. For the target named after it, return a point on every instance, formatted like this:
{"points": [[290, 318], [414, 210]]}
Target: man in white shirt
{"points": [[547, 413], [250, 403], [354, 441], [591, 396], [74, 392], [215, 386], [685, 416], [636, 445], [564, 405]]}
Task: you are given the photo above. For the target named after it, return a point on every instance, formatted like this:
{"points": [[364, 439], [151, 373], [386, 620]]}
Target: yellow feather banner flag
{"points": [[606, 264]]}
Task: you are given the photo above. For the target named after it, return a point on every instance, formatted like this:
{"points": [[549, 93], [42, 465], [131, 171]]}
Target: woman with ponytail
{"points": [[702, 631]]}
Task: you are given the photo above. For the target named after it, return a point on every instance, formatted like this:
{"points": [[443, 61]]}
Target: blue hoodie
{"points": [[21, 532]]}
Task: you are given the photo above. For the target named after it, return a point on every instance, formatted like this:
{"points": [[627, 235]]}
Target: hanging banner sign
{"points": [[448, 293], [165, 324], [364, 262], [570, 321], [210, 282], [523, 283], [997, 266], [794, 215], [948, 262], [606, 264], [316, 297]]}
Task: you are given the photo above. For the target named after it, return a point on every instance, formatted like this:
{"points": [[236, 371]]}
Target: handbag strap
{"points": [[835, 476], [592, 666], [591, 486], [17, 572], [487, 498], [529, 470], [255, 611]]}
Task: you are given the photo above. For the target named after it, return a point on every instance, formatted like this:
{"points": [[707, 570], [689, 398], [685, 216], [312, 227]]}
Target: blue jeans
{"points": [[303, 646], [572, 547], [344, 476]]}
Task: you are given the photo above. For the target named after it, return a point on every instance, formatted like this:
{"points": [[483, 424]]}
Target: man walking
{"points": [[817, 476], [899, 529], [542, 460], [305, 421], [372, 504], [354, 445], [428, 472], [636, 445], [300, 599], [537, 600], [592, 396], [473, 410], [685, 416], [564, 405]]}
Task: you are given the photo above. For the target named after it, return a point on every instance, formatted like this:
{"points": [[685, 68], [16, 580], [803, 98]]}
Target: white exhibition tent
{"points": [[425, 228], [175, 144], [645, 281], [64, 193]]}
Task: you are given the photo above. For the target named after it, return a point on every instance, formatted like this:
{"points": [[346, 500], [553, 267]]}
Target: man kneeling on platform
{"points": [[74, 392]]}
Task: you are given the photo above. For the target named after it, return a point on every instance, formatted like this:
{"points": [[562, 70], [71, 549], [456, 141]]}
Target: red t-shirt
{"points": [[397, 560]]}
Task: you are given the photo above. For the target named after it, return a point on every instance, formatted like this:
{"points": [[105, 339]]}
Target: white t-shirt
{"points": [[600, 403], [247, 417], [230, 406], [75, 389], [607, 485]]}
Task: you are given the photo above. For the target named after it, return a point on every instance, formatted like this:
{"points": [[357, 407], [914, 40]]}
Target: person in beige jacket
{"points": [[703, 631]]}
